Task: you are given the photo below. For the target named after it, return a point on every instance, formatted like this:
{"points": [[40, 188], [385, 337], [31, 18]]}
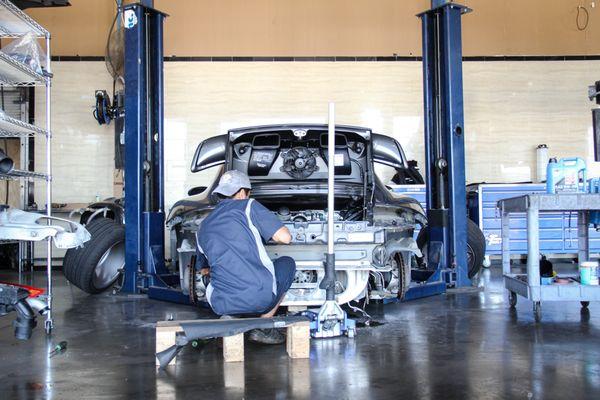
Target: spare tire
{"points": [[97, 265], [475, 246], [69, 266]]}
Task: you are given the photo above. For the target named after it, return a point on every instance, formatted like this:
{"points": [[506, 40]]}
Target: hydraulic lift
{"points": [[444, 149], [145, 269]]}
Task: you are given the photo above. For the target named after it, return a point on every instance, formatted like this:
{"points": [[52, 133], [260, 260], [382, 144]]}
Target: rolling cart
{"points": [[529, 285]]}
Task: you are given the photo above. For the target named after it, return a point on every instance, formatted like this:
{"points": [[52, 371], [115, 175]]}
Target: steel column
{"points": [[144, 174], [444, 139]]}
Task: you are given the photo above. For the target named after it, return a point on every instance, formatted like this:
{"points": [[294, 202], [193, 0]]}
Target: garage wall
{"points": [[510, 108], [82, 150], [332, 27]]}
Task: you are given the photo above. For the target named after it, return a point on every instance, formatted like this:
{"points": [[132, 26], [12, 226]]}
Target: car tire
{"points": [[475, 246], [96, 266], [70, 262]]}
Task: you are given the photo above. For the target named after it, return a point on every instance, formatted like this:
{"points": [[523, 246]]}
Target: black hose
{"points": [[6, 163]]}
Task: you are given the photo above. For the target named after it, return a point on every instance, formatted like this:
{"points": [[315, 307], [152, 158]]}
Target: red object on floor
{"points": [[33, 291]]}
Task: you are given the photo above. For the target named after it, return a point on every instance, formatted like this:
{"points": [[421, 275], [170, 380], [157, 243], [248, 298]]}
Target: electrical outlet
{"points": [[593, 4]]}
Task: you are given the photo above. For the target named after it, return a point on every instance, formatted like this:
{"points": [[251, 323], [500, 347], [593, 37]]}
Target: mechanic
{"points": [[243, 280]]}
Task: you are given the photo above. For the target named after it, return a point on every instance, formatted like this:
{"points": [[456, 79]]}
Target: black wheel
{"points": [[537, 311], [97, 265], [475, 246], [512, 299], [585, 304]]}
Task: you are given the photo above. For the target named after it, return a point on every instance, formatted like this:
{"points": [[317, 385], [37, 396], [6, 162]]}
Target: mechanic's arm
{"points": [[282, 236], [268, 225]]}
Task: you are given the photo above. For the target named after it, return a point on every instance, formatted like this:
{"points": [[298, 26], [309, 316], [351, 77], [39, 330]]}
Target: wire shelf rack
{"points": [[15, 23], [15, 73], [18, 174], [12, 127]]}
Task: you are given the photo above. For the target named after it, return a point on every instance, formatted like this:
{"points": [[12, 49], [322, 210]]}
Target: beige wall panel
{"points": [[510, 108], [82, 150], [331, 28]]}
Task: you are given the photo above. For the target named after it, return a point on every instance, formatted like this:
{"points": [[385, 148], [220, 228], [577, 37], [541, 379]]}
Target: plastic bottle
{"points": [[566, 175], [542, 162]]}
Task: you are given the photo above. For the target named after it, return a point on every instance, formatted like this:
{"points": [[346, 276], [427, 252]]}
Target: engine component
{"points": [[341, 161], [261, 161], [305, 276], [299, 162], [22, 225], [13, 298]]}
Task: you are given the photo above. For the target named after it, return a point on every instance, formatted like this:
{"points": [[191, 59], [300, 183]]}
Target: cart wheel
{"points": [[585, 304], [537, 311], [512, 299], [351, 333]]}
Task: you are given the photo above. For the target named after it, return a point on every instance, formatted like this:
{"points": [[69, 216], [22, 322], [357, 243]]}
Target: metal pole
{"points": [[49, 321], [330, 265], [330, 177]]}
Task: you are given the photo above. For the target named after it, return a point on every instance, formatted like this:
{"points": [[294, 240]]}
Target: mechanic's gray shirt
{"points": [[242, 275]]}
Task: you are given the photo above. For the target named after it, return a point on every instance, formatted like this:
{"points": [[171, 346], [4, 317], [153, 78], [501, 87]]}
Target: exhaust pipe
{"points": [[25, 321], [37, 305], [6, 163]]}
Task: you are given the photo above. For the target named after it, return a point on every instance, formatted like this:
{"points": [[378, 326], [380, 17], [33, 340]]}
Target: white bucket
{"points": [[593, 266]]}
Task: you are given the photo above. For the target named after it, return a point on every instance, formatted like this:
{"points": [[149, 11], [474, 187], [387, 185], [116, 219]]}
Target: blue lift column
{"points": [[144, 174], [444, 141]]}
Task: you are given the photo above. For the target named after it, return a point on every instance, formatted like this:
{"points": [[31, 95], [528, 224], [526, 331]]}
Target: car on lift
{"points": [[377, 256]]}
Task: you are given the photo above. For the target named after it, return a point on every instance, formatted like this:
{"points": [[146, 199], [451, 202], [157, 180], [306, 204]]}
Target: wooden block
{"points": [[164, 340], [295, 309], [298, 340], [233, 348]]}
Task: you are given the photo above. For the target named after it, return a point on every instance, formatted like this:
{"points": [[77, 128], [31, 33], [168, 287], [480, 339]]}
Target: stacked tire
{"points": [[96, 265]]}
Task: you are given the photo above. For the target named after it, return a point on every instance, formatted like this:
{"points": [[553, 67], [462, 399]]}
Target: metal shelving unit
{"points": [[529, 285], [18, 174], [14, 23]]}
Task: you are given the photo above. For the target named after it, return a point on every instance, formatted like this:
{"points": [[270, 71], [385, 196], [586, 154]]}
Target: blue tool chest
{"points": [[558, 231]]}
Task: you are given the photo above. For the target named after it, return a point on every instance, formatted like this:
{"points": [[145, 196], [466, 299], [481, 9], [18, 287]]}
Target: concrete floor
{"points": [[454, 346]]}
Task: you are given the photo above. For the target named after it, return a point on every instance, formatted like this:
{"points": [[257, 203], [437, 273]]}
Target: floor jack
{"points": [[330, 320]]}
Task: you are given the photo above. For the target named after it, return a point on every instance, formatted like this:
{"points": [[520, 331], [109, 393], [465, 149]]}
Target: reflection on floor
{"points": [[460, 345]]}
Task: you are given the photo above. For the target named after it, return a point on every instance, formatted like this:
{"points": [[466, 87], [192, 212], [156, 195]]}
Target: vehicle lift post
{"points": [[144, 161], [444, 143]]}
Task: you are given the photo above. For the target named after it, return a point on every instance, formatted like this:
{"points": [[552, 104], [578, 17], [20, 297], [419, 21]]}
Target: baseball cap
{"points": [[231, 182]]}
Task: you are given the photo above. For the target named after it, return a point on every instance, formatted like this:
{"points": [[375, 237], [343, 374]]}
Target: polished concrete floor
{"points": [[465, 345]]}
